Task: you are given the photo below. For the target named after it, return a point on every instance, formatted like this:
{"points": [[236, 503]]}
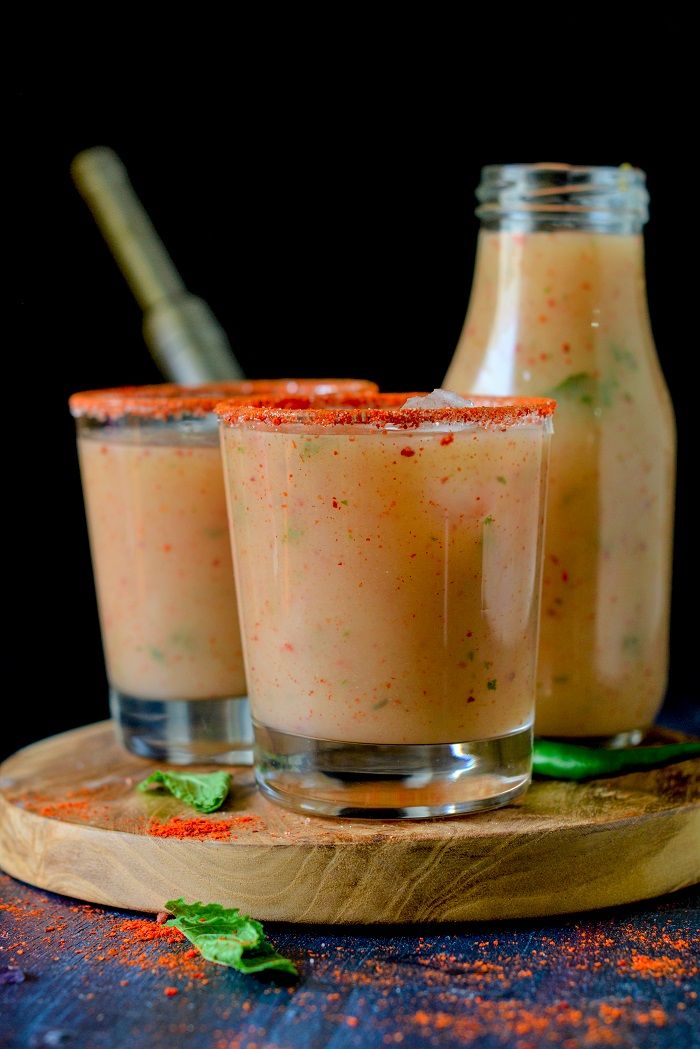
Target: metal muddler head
{"points": [[187, 342]]}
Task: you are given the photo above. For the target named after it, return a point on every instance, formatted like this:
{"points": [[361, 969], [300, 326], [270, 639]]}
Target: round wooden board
{"points": [[71, 821]]}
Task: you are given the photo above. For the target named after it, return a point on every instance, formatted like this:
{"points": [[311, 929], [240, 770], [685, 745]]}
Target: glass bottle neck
{"points": [[535, 222], [531, 198]]}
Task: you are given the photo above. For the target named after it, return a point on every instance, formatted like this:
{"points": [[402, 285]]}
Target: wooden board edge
{"points": [[26, 843]]}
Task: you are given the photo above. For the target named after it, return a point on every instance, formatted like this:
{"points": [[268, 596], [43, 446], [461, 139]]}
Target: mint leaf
{"points": [[227, 937], [205, 791]]}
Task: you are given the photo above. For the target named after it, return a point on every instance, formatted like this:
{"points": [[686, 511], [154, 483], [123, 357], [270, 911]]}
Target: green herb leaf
{"points": [[227, 937], [205, 791]]}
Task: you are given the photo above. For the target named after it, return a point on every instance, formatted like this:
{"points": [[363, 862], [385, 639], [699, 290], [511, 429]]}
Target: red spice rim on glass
{"points": [[169, 400], [381, 410]]}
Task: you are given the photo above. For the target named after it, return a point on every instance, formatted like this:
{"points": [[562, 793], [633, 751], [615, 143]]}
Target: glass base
{"points": [[184, 731], [391, 782], [616, 742]]}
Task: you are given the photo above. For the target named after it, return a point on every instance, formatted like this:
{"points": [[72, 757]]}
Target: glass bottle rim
{"points": [[551, 189]]}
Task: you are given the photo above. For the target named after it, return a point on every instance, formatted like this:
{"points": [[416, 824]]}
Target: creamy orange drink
{"points": [[156, 508], [559, 308], [388, 564]]}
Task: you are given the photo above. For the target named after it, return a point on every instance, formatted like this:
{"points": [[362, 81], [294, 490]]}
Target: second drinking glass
{"points": [[388, 563], [156, 509]]}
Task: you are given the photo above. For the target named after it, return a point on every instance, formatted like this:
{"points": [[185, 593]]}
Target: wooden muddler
{"points": [[185, 338]]}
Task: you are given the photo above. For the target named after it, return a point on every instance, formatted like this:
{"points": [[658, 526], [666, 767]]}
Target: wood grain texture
{"points": [[71, 821]]}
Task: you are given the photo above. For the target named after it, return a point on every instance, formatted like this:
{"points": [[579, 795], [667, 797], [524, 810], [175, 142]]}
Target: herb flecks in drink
{"points": [[624, 356], [579, 387], [292, 535], [215, 533], [588, 389], [310, 446]]}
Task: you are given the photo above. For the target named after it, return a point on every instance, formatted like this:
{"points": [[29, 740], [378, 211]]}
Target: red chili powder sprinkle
{"points": [[84, 806], [552, 1022], [139, 943], [20, 912], [65, 808], [199, 828], [408, 452], [661, 967], [170, 992], [143, 930]]}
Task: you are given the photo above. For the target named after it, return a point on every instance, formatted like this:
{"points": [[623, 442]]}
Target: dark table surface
{"points": [[97, 978]]}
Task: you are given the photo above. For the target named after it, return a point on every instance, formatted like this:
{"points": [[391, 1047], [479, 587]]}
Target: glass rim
{"points": [[380, 410], [169, 400]]}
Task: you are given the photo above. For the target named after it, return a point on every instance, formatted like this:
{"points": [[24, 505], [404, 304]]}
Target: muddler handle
{"points": [[185, 338]]}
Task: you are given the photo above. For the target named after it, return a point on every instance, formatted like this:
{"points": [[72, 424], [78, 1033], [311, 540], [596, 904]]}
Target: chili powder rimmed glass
{"points": [[388, 563], [156, 508]]}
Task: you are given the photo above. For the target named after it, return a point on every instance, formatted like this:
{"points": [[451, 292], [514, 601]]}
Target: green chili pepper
{"points": [[566, 761]]}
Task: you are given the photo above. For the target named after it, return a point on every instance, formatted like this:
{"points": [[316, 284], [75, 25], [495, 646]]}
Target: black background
{"points": [[331, 235]]}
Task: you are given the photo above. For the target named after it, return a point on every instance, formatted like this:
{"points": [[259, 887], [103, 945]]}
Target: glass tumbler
{"points": [[156, 509], [388, 562]]}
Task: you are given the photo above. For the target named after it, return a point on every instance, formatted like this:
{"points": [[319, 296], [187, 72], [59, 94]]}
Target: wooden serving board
{"points": [[71, 821]]}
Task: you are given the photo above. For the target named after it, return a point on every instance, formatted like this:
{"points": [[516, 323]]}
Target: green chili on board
{"points": [[569, 761]]}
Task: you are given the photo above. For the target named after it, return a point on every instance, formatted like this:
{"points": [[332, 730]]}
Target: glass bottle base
{"points": [[391, 782], [184, 732]]}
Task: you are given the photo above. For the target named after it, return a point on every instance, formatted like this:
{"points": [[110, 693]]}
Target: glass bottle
{"points": [[559, 308]]}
